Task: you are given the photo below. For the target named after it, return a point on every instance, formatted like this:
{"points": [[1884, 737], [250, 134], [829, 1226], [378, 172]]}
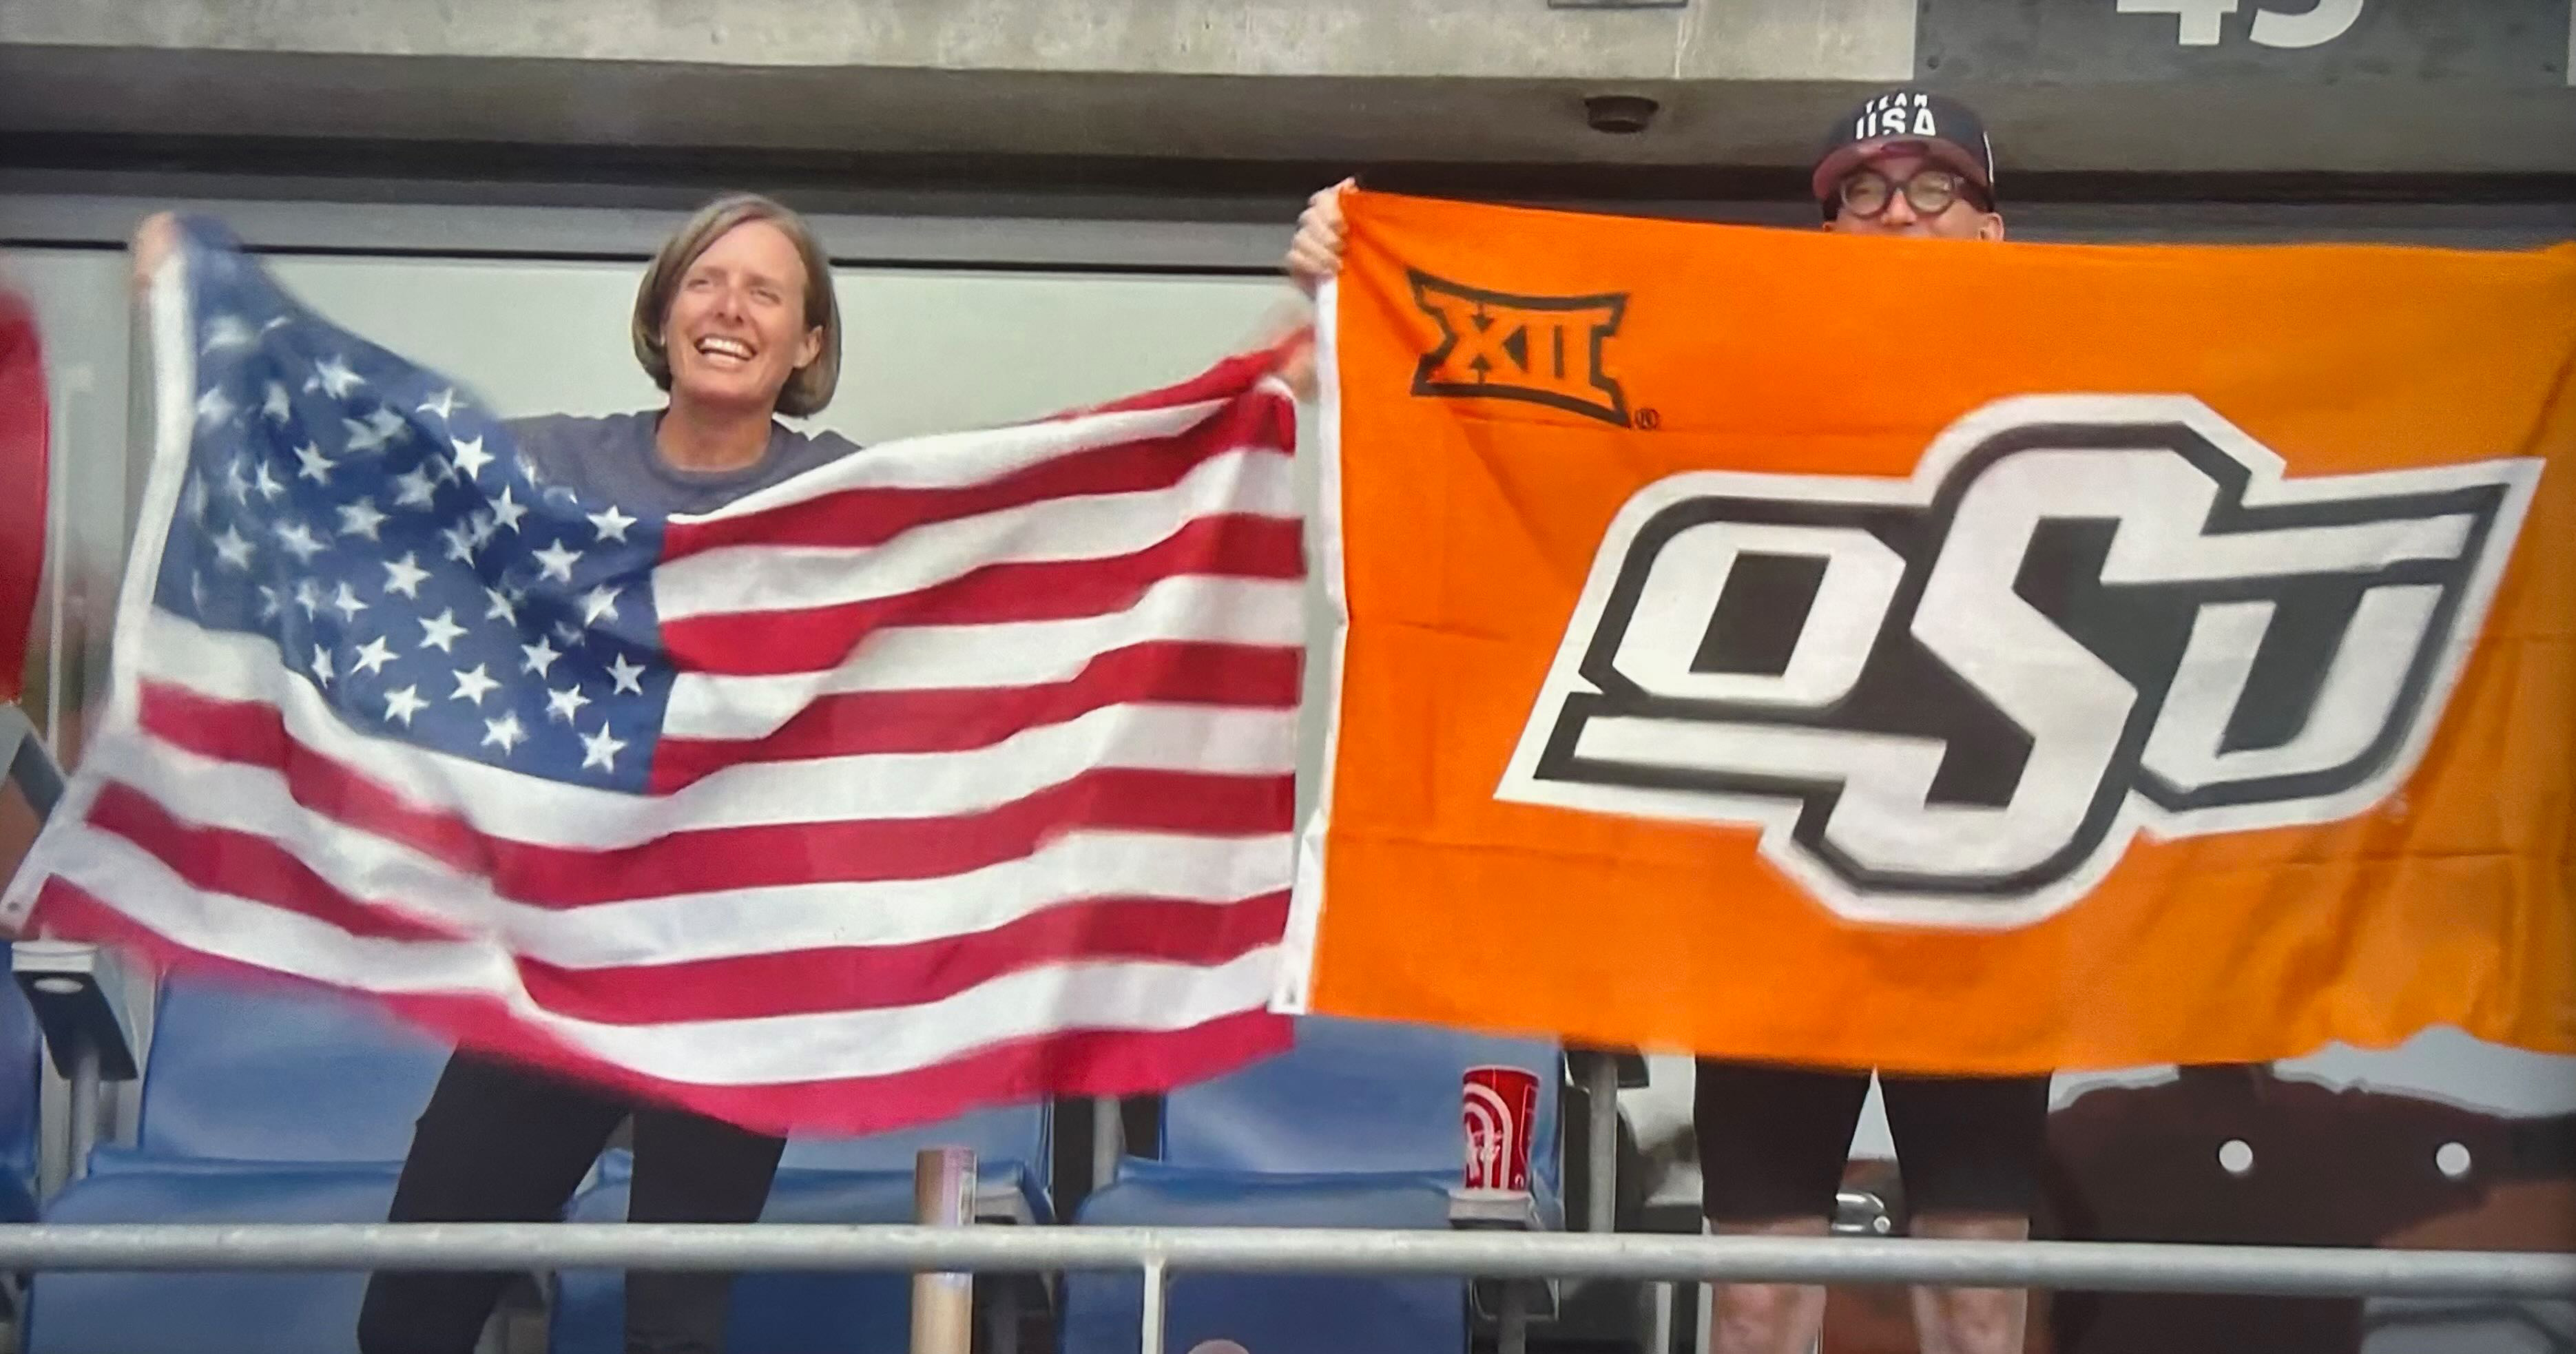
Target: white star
{"points": [[275, 322], [402, 704], [322, 665], [373, 655], [504, 731], [598, 603], [503, 609], [308, 596], [214, 407], [473, 684], [236, 483], [361, 518], [405, 575], [529, 469], [507, 511], [228, 331], [566, 703], [601, 750], [388, 425], [470, 456], [480, 524], [233, 548], [336, 378], [194, 499], [460, 543], [440, 631], [298, 540], [541, 656], [556, 562], [612, 524], [415, 488], [267, 602], [442, 404], [266, 483], [345, 601], [316, 467], [277, 406], [627, 676], [197, 591], [569, 633], [361, 437]]}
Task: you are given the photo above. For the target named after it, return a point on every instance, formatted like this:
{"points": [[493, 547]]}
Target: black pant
{"points": [[1773, 1139], [503, 1143]]}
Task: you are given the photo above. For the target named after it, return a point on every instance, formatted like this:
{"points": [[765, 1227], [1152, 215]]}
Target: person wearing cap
{"points": [[1773, 1138]]}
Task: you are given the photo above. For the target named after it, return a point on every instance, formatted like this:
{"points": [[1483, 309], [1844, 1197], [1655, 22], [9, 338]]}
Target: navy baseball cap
{"points": [[1936, 126]]}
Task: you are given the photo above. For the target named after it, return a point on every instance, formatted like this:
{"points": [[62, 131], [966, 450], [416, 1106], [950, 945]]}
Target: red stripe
{"points": [[858, 518], [1169, 672], [219, 860], [882, 977], [1069, 1063], [833, 978], [764, 643], [253, 734]]}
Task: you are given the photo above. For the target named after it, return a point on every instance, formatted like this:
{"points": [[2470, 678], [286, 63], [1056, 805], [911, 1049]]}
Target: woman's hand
{"points": [[1288, 330], [154, 242], [1316, 252]]}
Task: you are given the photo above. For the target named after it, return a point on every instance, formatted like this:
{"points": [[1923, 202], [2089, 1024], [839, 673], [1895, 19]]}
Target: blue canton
{"points": [[382, 531]]}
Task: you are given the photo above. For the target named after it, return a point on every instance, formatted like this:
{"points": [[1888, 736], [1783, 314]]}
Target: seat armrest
{"points": [[1494, 1210], [77, 995], [24, 759], [1504, 1210], [1628, 1065]]}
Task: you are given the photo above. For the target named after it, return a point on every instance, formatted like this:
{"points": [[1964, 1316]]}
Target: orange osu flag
{"points": [[1942, 656]]}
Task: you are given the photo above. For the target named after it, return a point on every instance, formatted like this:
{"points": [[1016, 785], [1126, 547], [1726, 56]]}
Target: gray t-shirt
{"points": [[613, 460]]}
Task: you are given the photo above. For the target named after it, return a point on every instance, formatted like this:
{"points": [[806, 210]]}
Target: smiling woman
{"points": [[735, 318], [726, 322]]}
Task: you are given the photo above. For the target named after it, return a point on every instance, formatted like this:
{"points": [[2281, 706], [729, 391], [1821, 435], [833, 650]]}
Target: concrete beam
{"points": [[2069, 85], [1516, 39]]}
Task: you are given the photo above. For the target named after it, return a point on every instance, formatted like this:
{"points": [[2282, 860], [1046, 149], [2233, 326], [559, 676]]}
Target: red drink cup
{"points": [[1500, 1105]]}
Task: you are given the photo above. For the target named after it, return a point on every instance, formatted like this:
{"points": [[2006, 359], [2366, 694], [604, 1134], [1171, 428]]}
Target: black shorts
{"points": [[1773, 1140]]}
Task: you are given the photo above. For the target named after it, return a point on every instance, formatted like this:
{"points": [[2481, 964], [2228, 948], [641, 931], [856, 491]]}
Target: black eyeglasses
{"points": [[1929, 191]]}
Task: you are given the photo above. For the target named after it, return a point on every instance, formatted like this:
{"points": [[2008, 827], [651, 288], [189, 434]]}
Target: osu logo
{"points": [[1954, 699], [1543, 349]]}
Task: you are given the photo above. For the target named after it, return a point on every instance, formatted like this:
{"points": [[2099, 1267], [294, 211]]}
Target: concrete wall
{"points": [[2444, 86], [1513, 39]]}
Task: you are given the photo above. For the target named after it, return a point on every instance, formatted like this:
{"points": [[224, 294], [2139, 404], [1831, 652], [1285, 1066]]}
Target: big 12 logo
{"points": [[1954, 699]]}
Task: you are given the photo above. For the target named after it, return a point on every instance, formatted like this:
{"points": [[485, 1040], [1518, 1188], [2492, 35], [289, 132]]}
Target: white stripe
{"points": [[714, 925], [170, 331], [1299, 945], [957, 460], [748, 1052], [510, 805], [1017, 653], [754, 578]]}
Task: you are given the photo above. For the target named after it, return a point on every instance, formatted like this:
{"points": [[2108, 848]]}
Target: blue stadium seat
{"points": [[21, 1055], [842, 1180], [278, 1074], [1357, 1126], [259, 1105]]}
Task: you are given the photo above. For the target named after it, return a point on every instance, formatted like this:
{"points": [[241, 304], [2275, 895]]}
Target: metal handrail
{"points": [[2125, 1266]]}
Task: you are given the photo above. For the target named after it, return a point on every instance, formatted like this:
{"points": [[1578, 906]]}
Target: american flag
{"points": [[955, 772]]}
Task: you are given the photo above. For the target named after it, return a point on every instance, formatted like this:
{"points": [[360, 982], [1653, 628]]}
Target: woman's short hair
{"points": [[809, 387]]}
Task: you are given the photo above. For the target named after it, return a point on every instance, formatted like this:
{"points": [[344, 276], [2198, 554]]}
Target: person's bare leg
{"points": [[1970, 1320], [1767, 1318]]}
